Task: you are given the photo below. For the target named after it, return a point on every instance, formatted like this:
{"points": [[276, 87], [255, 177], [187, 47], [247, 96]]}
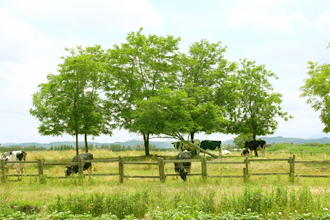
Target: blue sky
{"points": [[282, 35]]}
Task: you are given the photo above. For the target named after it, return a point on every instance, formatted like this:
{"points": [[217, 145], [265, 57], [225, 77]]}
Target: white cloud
{"points": [[103, 15], [260, 15]]}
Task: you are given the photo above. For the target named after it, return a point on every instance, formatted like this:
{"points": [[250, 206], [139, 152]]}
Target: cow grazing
{"points": [[15, 156], [245, 152], [183, 168], [255, 146], [70, 170]]}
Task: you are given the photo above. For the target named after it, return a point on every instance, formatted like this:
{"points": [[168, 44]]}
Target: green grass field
{"points": [[263, 197]]}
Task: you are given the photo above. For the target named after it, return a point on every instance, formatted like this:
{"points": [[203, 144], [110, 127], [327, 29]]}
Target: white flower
{"points": [[157, 207], [280, 213], [249, 210], [325, 209]]}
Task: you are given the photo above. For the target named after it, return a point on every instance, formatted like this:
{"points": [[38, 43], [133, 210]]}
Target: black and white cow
{"points": [[15, 156], [70, 170], [255, 146], [245, 152], [181, 146], [183, 168]]}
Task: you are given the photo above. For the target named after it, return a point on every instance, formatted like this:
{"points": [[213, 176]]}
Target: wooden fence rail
{"points": [[161, 163]]}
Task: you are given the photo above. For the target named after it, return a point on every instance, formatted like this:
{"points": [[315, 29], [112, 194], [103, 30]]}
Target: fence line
{"points": [[161, 163]]}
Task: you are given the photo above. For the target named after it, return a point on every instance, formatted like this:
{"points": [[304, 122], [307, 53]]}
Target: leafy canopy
{"points": [[258, 105], [317, 90]]}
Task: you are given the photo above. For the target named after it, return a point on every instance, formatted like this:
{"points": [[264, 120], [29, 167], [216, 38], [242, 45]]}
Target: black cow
{"points": [[183, 168], [211, 145], [255, 146], [70, 170]]}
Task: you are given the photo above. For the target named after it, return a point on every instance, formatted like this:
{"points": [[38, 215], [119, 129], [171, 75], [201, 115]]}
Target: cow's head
{"points": [[21, 155], [245, 152], [68, 171], [183, 173]]}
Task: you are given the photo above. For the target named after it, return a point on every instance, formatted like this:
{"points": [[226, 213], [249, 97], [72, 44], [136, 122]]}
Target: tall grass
{"points": [[143, 201]]}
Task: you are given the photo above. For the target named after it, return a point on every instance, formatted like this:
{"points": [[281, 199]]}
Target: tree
{"points": [[317, 91], [169, 115], [137, 70], [204, 72], [257, 104], [70, 101]]}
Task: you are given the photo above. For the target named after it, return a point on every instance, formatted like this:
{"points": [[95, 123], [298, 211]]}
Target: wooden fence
{"points": [[161, 167]]}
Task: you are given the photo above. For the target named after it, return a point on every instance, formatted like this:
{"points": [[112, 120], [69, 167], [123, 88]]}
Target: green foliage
{"points": [[316, 89], [70, 101], [257, 104], [279, 202], [308, 147], [120, 204], [139, 68], [204, 76]]}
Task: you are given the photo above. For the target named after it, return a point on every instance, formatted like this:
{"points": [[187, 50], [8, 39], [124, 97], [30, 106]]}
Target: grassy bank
{"points": [[270, 197]]}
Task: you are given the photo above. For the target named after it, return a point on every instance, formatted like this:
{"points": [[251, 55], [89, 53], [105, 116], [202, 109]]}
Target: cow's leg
{"points": [[18, 171], [256, 153], [90, 171], [263, 151]]}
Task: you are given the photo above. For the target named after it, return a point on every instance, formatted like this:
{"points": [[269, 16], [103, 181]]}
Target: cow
{"points": [[70, 170], [15, 156], [245, 152], [224, 152], [181, 146], [183, 168], [211, 145], [255, 146]]}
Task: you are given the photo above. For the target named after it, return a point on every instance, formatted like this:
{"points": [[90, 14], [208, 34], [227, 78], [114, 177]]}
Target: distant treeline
{"points": [[64, 147]]}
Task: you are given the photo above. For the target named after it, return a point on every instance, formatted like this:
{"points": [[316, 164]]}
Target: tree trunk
{"points": [[77, 144], [146, 143], [192, 135], [86, 143]]}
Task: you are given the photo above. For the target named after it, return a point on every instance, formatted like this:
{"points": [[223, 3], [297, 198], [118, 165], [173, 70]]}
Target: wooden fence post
{"points": [[121, 169], [40, 167], [41, 170], [3, 170], [204, 168], [292, 167], [246, 169], [80, 168], [161, 166]]}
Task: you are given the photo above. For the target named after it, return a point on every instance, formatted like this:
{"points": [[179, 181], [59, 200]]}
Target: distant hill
{"points": [[280, 139], [168, 144], [81, 143]]}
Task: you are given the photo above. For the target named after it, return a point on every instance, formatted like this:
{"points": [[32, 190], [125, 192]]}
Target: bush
{"points": [[119, 204]]}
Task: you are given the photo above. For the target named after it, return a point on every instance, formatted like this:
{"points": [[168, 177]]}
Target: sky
{"points": [[283, 35]]}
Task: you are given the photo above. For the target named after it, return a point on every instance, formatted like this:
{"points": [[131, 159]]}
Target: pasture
{"points": [[272, 195]]}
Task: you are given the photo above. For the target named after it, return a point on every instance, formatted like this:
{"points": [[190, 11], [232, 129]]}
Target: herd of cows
{"points": [[182, 168]]}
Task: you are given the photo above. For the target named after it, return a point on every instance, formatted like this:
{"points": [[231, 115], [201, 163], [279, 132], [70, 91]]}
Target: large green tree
{"points": [[204, 74], [317, 91], [70, 102], [170, 115], [257, 104], [138, 69]]}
